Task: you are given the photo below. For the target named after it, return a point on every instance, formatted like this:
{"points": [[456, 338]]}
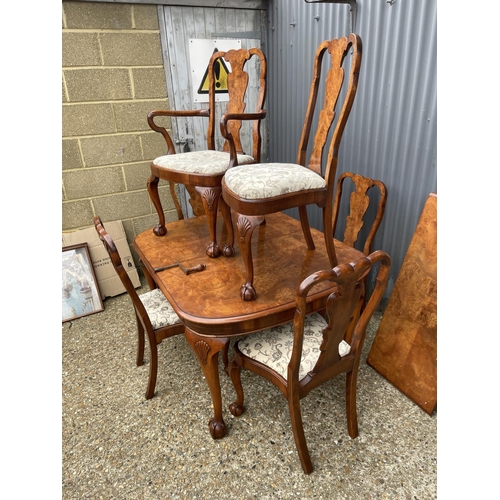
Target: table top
{"points": [[209, 301]]}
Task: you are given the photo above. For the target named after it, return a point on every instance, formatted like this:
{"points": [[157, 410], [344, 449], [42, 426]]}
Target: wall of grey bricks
{"points": [[112, 77]]}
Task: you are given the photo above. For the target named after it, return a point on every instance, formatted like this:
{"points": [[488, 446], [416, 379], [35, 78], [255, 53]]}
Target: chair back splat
{"points": [[255, 190], [155, 317], [359, 202], [301, 355], [202, 171], [237, 89], [338, 50]]}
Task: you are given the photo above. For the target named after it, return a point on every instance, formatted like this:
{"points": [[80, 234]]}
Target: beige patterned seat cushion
{"points": [[267, 180], [200, 162], [159, 310], [273, 346]]}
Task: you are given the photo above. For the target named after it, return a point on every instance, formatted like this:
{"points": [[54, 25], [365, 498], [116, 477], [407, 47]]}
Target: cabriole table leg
{"points": [[207, 349]]}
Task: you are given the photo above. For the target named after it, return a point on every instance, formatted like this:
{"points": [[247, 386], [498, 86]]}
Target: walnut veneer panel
{"points": [[405, 347]]}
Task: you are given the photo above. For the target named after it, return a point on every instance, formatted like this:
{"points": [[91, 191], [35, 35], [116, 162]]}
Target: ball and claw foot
{"points": [[236, 410], [160, 230], [228, 251], [247, 292], [213, 250], [217, 429]]}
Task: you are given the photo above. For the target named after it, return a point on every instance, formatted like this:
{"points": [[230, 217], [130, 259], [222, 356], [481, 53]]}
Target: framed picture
{"points": [[80, 291]]}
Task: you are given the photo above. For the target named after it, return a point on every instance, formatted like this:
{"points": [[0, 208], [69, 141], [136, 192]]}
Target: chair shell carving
{"points": [[202, 171], [155, 317], [300, 355], [253, 191]]}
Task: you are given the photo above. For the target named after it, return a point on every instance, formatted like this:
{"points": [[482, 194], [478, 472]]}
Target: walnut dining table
{"points": [[209, 303]]}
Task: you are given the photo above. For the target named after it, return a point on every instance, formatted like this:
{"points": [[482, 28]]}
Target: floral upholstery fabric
{"points": [[273, 346], [266, 180], [159, 310], [200, 162]]}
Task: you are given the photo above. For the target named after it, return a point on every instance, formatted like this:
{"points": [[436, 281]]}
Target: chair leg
{"points": [[298, 430], [210, 199], [328, 233], [153, 366], [228, 249], [225, 357], [306, 229], [151, 282], [237, 407], [140, 342], [159, 229], [352, 418], [245, 226], [178, 207]]}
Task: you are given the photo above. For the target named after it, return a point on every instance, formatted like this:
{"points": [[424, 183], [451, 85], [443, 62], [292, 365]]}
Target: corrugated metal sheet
{"points": [[391, 134]]}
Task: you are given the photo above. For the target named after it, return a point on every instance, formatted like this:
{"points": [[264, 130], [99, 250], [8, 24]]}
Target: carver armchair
{"points": [[253, 191], [202, 171], [299, 356]]}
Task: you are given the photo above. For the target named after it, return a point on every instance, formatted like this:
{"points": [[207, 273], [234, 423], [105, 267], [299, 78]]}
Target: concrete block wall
{"points": [[112, 76]]}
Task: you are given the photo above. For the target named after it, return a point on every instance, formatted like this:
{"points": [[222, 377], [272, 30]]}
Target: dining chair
{"points": [[252, 191], [359, 202], [155, 317], [299, 356], [202, 171]]}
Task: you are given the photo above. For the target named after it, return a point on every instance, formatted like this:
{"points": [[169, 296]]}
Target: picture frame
{"points": [[80, 291]]}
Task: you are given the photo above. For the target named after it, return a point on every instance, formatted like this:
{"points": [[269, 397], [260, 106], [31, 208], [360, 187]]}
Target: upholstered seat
{"points": [[273, 347], [200, 162], [159, 310], [266, 180]]}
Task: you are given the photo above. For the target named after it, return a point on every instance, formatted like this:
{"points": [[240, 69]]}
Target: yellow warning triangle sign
{"points": [[220, 73]]}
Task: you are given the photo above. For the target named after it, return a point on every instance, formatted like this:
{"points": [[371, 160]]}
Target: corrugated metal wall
{"points": [[391, 134]]}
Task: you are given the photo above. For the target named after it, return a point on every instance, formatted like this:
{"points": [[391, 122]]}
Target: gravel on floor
{"points": [[117, 445]]}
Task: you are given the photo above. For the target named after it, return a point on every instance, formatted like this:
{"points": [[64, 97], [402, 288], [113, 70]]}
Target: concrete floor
{"points": [[117, 445]]}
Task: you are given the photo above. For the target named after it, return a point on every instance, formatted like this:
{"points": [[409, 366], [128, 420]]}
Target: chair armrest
{"points": [[228, 136], [163, 131]]}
